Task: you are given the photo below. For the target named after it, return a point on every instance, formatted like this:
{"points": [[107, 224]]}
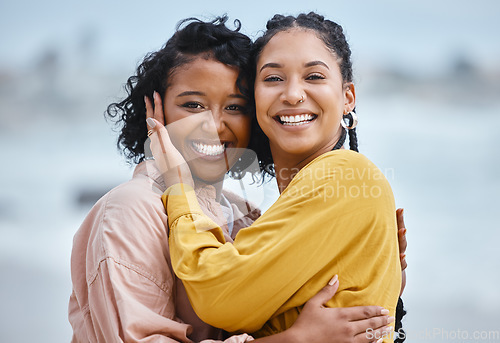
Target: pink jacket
{"points": [[124, 289]]}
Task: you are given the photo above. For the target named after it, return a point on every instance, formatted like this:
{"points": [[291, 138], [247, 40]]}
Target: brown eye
{"points": [[315, 77], [192, 105], [272, 79], [236, 108]]}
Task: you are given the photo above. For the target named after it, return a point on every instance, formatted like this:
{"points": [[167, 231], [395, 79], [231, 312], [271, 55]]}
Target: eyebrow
{"points": [[271, 65], [307, 65], [316, 63], [188, 93]]}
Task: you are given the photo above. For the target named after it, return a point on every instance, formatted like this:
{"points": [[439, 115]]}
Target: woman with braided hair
{"points": [[124, 289], [335, 214]]}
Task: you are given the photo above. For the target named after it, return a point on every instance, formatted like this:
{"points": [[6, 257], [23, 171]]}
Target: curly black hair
{"points": [[193, 38], [333, 36]]}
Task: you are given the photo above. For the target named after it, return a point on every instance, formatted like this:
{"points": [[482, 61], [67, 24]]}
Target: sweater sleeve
{"points": [[335, 217]]}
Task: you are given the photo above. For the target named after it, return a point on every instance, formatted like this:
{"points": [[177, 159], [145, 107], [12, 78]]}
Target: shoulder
{"points": [[340, 165], [129, 223], [340, 175]]}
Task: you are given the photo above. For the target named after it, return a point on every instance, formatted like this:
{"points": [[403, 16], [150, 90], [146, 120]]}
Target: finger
{"points": [[149, 108], [403, 283], [162, 147], [400, 218], [401, 230], [158, 110], [374, 323], [158, 113], [403, 244], [355, 313], [160, 141], [404, 264], [325, 294], [375, 335]]}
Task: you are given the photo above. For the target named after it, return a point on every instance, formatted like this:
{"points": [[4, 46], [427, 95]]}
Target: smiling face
{"points": [[207, 140], [300, 96]]}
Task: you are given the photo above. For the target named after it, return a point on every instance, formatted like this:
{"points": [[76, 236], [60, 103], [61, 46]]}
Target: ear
{"points": [[349, 97]]}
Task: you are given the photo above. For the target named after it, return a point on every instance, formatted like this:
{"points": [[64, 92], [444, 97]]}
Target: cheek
{"points": [[262, 96], [170, 114], [241, 127]]}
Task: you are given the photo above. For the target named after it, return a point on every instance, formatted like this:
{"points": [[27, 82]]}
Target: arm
{"points": [[288, 254], [318, 323], [273, 269], [122, 282], [126, 306]]}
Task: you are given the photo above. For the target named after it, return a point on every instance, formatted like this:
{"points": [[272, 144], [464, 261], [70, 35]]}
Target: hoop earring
{"points": [[351, 118]]}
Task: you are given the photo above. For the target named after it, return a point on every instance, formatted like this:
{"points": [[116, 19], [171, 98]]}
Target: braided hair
{"points": [[333, 37]]}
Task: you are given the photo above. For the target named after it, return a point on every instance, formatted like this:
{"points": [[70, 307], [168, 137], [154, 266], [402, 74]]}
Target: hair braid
{"points": [[353, 140], [334, 38]]}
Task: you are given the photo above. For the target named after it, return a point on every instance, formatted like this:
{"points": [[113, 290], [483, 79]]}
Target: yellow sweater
{"points": [[337, 216]]}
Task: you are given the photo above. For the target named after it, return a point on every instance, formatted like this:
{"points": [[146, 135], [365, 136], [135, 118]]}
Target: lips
{"points": [[295, 120], [209, 149], [294, 117]]}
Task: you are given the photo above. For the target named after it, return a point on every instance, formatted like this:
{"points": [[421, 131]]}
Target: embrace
{"points": [[172, 256]]}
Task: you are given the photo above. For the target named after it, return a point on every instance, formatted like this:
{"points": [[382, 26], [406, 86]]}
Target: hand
{"points": [[317, 323], [155, 113], [168, 159], [402, 247]]}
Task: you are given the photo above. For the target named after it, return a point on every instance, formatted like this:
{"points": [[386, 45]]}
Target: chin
{"points": [[208, 173]]}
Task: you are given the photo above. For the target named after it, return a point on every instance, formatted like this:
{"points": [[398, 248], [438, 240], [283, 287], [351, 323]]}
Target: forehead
{"points": [[301, 45], [201, 72]]}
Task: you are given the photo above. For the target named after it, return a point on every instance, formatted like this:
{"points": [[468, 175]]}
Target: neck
{"points": [[198, 183], [287, 165]]}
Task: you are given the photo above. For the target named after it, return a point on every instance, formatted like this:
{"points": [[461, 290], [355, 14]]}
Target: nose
{"points": [[214, 123], [293, 93]]}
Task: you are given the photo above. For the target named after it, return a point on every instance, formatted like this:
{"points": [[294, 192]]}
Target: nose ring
{"points": [[301, 99]]}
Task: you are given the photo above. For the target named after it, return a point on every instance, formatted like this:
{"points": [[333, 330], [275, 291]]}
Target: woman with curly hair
{"points": [[124, 288], [335, 214]]}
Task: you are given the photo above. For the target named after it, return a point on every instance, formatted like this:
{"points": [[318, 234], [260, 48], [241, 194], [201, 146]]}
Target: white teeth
{"points": [[209, 150], [296, 120]]}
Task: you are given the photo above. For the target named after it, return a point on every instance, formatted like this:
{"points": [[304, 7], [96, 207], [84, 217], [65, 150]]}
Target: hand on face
{"points": [[206, 117], [169, 160]]}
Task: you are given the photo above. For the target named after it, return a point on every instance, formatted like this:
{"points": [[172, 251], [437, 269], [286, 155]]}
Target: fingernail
{"points": [[402, 211], [402, 256], [155, 93], [380, 340], [145, 99], [404, 231], [390, 320], [384, 311], [151, 122], [333, 280]]}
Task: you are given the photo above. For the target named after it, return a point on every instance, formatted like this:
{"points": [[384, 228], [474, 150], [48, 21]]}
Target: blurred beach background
{"points": [[428, 85]]}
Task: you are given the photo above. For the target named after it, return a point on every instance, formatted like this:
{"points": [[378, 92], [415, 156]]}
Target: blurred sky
{"points": [[428, 78], [419, 35]]}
